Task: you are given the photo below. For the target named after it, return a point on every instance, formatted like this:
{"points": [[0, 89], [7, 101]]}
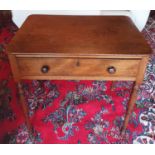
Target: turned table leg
{"points": [[133, 98], [131, 104], [24, 107]]}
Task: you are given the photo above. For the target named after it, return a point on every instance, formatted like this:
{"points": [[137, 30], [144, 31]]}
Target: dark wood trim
{"points": [[152, 13], [5, 17]]}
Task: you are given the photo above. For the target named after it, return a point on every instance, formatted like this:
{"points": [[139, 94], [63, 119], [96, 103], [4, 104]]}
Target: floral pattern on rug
{"points": [[75, 112], [39, 94], [22, 136], [146, 97], [5, 99], [6, 94]]}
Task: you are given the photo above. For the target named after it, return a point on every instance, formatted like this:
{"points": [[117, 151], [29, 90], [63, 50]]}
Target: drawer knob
{"points": [[45, 69], [111, 69]]}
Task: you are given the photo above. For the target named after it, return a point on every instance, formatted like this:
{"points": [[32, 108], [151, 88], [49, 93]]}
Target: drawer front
{"points": [[78, 67]]}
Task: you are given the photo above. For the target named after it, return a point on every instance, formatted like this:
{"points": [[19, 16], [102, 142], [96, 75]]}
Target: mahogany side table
{"points": [[57, 47]]}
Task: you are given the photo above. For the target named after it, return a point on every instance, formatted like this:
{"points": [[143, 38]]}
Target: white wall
{"points": [[140, 17]]}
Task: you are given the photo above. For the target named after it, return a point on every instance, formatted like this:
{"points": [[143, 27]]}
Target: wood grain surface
{"points": [[78, 67], [79, 34]]}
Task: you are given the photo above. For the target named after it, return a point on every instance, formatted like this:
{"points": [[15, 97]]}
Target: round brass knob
{"points": [[45, 69], [111, 69]]}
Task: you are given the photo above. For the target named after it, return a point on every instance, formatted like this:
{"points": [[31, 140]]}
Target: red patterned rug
{"points": [[76, 111]]}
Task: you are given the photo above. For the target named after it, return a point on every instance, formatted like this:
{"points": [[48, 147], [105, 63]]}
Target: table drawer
{"points": [[78, 67]]}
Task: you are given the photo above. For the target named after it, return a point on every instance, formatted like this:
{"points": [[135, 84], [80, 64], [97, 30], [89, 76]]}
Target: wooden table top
{"points": [[83, 35]]}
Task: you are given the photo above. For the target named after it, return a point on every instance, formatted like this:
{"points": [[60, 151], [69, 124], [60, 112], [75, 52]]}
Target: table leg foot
{"points": [[122, 132]]}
